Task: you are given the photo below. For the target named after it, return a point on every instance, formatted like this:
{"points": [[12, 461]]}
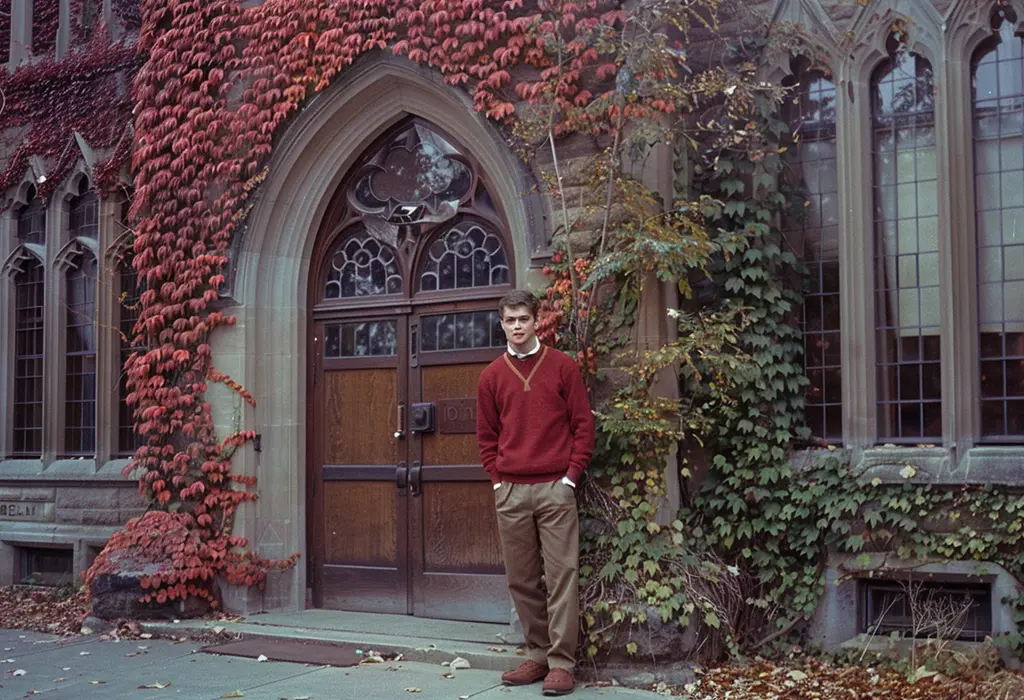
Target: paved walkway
{"points": [[83, 668]]}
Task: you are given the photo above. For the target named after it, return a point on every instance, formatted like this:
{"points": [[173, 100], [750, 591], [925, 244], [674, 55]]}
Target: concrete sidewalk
{"points": [[84, 668]]}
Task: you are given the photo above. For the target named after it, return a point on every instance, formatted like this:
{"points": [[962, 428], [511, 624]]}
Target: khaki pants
{"points": [[535, 521]]}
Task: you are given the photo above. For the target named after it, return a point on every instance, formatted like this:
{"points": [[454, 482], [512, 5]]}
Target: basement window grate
{"points": [[927, 609], [41, 566]]}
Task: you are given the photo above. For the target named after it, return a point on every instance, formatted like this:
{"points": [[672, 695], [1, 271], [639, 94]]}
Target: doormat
{"points": [[298, 651]]}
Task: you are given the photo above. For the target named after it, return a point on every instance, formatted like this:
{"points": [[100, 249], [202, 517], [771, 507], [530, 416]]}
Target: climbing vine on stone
{"points": [[218, 83]]}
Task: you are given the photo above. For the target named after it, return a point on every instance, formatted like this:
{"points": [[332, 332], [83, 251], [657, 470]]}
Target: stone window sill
{"points": [[63, 470], [937, 465]]}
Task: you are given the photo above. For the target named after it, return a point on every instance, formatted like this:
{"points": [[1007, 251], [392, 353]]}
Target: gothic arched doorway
{"points": [[409, 263]]}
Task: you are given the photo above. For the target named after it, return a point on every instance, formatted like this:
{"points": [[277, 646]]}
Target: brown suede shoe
{"points": [[558, 682], [527, 672]]}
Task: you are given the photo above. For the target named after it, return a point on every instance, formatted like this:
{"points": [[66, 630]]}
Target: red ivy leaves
{"points": [[48, 101], [218, 84]]}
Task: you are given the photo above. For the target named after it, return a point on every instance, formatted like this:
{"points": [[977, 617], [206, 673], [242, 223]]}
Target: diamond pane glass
{"points": [[906, 251], [998, 103]]}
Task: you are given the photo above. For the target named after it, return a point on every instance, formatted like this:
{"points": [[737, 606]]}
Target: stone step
{"points": [[424, 647]]}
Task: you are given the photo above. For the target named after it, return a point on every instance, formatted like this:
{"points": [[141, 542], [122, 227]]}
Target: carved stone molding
{"points": [[818, 31], [874, 24], [14, 265], [71, 254], [969, 23]]}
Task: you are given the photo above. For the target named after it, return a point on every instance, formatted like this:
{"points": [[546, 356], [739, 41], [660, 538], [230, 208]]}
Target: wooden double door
{"points": [[403, 518]]}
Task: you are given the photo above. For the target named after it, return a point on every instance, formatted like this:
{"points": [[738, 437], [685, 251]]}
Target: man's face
{"points": [[520, 326]]}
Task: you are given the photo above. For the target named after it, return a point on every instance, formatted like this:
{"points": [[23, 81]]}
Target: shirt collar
{"points": [[523, 356]]}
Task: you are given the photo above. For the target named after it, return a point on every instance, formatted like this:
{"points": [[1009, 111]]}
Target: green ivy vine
{"points": [[743, 562]]}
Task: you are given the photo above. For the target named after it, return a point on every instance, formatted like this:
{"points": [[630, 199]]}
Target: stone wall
{"points": [[78, 516]]}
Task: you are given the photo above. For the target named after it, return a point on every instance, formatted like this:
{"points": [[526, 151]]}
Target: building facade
{"points": [[364, 306]]}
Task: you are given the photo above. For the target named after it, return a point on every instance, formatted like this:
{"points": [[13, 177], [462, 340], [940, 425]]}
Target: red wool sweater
{"points": [[528, 437]]}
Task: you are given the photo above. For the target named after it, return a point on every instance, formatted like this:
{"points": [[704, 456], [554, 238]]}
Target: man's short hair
{"points": [[519, 297]]}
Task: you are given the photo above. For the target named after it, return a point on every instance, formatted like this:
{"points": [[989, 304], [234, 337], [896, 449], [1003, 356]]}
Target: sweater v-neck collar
{"points": [[526, 380]]}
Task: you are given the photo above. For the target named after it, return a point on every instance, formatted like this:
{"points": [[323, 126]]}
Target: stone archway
{"points": [[267, 349]]}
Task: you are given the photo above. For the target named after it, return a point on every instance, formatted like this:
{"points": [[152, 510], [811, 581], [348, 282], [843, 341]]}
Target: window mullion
{"points": [[959, 262], [53, 333], [853, 130]]}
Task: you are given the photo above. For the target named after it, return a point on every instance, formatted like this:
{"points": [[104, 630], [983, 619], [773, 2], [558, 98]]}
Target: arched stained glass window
{"points": [[362, 266], [80, 360], [998, 101], [812, 116], [907, 296], [418, 176], [467, 255]]}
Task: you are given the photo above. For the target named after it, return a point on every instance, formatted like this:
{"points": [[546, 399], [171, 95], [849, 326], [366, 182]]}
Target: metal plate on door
{"points": [[457, 415]]}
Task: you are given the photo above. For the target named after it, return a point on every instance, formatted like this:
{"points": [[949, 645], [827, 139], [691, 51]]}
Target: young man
{"points": [[536, 435]]}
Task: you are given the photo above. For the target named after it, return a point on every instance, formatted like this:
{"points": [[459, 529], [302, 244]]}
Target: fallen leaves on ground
{"points": [[155, 686], [55, 611], [815, 679]]}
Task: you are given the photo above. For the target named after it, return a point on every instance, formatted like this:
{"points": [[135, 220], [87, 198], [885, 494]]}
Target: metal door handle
{"points": [[400, 432], [415, 479], [402, 478]]}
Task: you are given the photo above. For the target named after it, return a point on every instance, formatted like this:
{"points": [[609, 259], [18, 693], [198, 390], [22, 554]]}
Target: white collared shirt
{"points": [[524, 355]]}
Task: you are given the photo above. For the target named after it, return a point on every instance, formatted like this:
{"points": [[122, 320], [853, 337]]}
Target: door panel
{"points": [[361, 401], [450, 382], [459, 531], [456, 564], [361, 523], [364, 520]]}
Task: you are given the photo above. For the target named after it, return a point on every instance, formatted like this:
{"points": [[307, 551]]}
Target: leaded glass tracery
{"points": [[419, 176], [362, 266], [467, 255]]}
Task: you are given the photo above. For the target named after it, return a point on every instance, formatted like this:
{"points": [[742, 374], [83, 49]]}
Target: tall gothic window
{"points": [[80, 326], [998, 83], [812, 116], [28, 334], [128, 305], [28, 360], [80, 359], [907, 297]]}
